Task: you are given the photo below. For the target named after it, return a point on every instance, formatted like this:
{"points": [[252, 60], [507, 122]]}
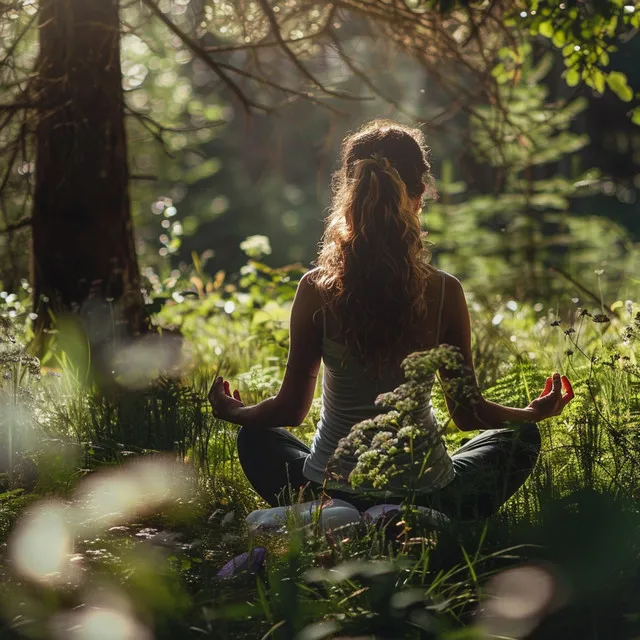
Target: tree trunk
{"points": [[83, 245]]}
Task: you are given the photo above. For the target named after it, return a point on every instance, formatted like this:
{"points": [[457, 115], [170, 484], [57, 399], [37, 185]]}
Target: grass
{"points": [[561, 559]]}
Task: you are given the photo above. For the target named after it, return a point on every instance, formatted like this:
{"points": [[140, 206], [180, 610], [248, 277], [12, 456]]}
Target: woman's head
{"points": [[373, 263], [404, 148]]}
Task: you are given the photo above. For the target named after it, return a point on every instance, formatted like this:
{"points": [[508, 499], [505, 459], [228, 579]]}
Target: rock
{"points": [[249, 561]]}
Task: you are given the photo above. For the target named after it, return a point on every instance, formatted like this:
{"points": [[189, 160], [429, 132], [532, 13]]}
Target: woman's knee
{"points": [[530, 433], [529, 440], [247, 440]]}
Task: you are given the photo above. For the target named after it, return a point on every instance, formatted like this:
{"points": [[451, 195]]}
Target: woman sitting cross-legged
{"points": [[372, 300]]}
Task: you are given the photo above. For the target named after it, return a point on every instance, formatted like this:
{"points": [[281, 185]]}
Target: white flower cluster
{"points": [[387, 445]]}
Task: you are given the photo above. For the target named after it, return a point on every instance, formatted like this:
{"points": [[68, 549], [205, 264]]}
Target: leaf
{"points": [[546, 28], [635, 116], [559, 39], [617, 82], [572, 77], [260, 317], [202, 171], [598, 81]]}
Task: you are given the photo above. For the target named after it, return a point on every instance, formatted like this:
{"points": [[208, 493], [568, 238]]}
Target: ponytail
{"points": [[380, 208], [373, 264]]}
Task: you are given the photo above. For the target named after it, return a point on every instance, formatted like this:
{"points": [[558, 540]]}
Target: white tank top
{"points": [[348, 397]]}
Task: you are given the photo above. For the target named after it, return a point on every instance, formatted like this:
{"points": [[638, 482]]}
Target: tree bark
{"points": [[83, 245]]}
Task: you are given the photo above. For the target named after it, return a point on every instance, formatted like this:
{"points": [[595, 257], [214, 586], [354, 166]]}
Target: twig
{"points": [[294, 92], [18, 39], [144, 121], [584, 289], [275, 28], [25, 222], [247, 103], [18, 106], [358, 73], [230, 48], [164, 128]]}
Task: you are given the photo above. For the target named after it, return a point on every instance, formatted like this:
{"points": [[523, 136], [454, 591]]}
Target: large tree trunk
{"points": [[83, 245]]}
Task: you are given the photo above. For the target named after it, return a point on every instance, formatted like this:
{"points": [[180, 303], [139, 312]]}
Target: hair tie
{"points": [[380, 160]]}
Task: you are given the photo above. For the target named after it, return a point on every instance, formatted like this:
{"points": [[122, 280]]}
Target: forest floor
{"points": [[100, 531]]}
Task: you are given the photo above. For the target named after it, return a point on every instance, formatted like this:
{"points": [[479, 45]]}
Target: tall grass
{"points": [[575, 520]]}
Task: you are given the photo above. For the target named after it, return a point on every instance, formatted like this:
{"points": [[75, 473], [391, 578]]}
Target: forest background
{"points": [[164, 174]]}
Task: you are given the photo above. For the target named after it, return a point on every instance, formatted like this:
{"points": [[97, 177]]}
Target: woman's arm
{"points": [[468, 409], [290, 406]]}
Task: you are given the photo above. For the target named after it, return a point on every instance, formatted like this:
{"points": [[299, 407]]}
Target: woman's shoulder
{"points": [[311, 276], [448, 279], [308, 295], [308, 284], [451, 280]]}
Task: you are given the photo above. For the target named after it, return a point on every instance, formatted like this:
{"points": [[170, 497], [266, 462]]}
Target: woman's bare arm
{"points": [[292, 403], [468, 409]]}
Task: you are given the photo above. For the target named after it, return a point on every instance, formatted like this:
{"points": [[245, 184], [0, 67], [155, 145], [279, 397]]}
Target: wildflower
{"points": [[256, 246], [376, 450], [628, 334]]}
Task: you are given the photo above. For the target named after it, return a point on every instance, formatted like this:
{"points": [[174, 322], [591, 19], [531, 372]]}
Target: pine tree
{"points": [[512, 236]]}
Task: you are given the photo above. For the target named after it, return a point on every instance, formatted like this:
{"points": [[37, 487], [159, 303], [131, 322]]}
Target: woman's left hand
{"points": [[551, 402], [225, 406]]}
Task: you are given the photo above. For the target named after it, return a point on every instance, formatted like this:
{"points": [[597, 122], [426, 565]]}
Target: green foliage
{"points": [[399, 578], [509, 238], [586, 34], [58, 432]]}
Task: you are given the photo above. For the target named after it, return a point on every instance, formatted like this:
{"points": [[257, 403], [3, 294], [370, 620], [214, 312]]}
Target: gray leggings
{"points": [[489, 469]]}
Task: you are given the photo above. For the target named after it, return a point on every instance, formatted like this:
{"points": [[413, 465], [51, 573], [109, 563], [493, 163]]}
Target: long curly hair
{"points": [[373, 262]]}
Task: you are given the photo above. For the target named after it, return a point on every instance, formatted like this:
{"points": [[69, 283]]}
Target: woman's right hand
{"points": [[551, 401], [224, 405]]}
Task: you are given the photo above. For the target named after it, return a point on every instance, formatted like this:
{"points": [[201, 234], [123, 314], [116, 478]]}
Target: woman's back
{"points": [[349, 393], [382, 301]]}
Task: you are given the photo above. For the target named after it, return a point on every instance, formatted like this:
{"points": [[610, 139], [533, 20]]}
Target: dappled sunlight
{"points": [[18, 423], [100, 618], [113, 496], [137, 363], [107, 499], [517, 600], [191, 192], [41, 544]]}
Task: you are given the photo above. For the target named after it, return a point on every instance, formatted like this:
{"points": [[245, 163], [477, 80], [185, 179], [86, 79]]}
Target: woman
{"points": [[373, 299]]}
